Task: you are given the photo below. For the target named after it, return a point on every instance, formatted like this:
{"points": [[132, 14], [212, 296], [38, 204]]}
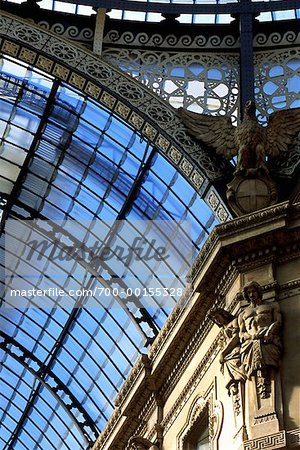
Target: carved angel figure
{"points": [[249, 140]]}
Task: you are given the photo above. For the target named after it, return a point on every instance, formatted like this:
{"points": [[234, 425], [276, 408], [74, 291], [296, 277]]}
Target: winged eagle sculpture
{"points": [[249, 141]]}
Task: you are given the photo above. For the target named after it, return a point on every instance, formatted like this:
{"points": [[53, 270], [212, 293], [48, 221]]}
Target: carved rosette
{"points": [[247, 194]]}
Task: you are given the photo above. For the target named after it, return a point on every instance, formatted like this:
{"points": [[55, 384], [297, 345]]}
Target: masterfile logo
{"points": [[70, 264]]}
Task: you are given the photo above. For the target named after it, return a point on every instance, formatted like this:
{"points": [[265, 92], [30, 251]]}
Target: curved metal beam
{"points": [[24, 356], [137, 105]]}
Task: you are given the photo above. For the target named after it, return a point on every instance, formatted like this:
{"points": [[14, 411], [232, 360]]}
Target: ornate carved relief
{"points": [[260, 337], [293, 437], [216, 204], [250, 351], [217, 416], [198, 409], [231, 365], [263, 417], [191, 385], [229, 343], [214, 411], [196, 412], [272, 441]]}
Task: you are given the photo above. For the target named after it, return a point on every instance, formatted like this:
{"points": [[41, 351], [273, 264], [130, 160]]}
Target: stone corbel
{"points": [[140, 443]]}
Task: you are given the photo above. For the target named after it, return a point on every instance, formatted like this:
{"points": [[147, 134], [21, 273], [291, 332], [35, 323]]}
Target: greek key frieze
{"points": [[273, 441]]}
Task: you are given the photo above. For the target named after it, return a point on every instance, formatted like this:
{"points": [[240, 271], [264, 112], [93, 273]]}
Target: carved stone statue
{"points": [[249, 140], [259, 333], [230, 359], [252, 188], [250, 342], [250, 351]]}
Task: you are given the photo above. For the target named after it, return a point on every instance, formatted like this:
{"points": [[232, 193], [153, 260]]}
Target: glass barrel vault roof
{"points": [[62, 367]]}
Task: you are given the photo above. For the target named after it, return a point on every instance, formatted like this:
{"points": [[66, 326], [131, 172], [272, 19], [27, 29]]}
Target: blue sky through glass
{"points": [[84, 167]]}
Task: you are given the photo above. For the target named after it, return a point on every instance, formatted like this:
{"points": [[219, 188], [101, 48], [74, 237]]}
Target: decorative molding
{"points": [[114, 418], [138, 368], [147, 409], [272, 441], [230, 228], [293, 438], [199, 407], [170, 322], [171, 41], [289, 289], [271, 84], [256, 258], [143, 417], [276, 39], [216, 204], [186, 42], [201, 328], [137, 442], [192, 384], [248, 260], [216, 418], [226, 281], [279, 212], [290, 251], [249, 220], [187, 355], [216, 74], [265, 418], [142, 363], [70, 32]]}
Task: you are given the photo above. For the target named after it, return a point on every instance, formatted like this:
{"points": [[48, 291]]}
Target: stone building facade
{"points": [[196, 389]]}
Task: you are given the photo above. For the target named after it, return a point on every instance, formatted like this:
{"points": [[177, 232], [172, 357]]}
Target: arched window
{"points": [[198, 438]]}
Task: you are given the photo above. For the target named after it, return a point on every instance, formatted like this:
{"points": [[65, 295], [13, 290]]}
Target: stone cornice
{"points": [[237, 230]]}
